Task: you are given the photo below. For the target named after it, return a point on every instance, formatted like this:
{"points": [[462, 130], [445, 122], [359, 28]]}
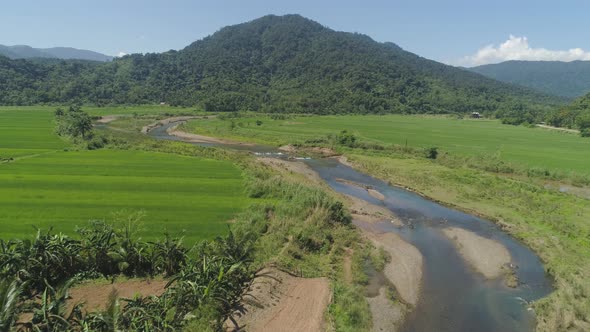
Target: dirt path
{"points": [[567, 130], [284, 303], [95, 296], [347, 265], [486, 256]]}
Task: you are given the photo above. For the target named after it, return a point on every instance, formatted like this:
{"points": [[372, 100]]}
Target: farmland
{"points": [[65, 189], [531, 147]]}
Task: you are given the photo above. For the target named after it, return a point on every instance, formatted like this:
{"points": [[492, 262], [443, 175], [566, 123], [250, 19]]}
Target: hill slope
{"points": [[567, 79], [275, 63], [64, 53]]}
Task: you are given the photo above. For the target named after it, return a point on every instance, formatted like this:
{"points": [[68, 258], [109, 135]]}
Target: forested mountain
{"points": [[275, 63], [64, 53], [567, 79]]}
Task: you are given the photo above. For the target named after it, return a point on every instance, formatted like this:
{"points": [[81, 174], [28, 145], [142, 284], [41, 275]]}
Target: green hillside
{"points": [[275, 63]]}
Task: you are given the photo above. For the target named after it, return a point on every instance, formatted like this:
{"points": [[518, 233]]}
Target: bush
{"points": [[97, 142], [347, 139], [432, 153]]}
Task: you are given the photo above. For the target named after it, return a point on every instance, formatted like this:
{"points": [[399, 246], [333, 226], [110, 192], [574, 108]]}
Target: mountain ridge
{"points": [[276, 64], [63, 53], [566, 79]]}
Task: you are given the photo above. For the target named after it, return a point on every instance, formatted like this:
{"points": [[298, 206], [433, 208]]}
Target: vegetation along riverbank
{"points": [[498, 185]]}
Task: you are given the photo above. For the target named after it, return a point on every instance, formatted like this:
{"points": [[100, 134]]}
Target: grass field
{"points": [[17, 140], [533, 147], [65, 189]]}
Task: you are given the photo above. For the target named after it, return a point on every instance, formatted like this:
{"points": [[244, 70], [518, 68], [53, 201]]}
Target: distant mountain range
{"points": [[65, 53], [565, 79]]}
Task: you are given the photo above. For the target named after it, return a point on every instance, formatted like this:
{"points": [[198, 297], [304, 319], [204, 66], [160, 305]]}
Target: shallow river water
{"points": [[453, 296]]}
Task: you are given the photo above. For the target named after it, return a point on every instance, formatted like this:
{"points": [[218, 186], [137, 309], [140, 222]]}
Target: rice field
{"points": [[533, 147], [48, 186]]}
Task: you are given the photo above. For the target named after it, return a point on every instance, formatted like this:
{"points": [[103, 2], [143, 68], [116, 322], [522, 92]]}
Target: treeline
{"points": [[285, 64], [575, 115]]}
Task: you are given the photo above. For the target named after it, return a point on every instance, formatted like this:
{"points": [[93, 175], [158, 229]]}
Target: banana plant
{"points": [[9, 297], [51, 312]]}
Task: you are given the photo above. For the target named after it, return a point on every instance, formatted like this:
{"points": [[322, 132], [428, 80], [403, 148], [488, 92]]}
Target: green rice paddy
{"points": [[533, 147], [46, 186]]}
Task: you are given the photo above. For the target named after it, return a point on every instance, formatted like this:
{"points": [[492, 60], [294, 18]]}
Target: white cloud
{"points": [[121, 54], [518, 48]]}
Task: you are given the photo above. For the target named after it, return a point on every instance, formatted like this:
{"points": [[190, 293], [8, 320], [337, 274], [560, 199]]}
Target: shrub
{"points": [[432, 153], [347, 139], [97, 142]]}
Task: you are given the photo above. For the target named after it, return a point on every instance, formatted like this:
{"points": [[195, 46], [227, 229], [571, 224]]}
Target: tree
{"points": [[583, 123], [74, 122]]}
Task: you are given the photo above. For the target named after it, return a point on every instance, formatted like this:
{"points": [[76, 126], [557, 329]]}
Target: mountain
{"points": [[566, 79], [275, 64], [65, 53]]}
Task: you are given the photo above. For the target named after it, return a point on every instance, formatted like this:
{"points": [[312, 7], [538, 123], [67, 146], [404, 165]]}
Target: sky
{"points": [[457, 32]]}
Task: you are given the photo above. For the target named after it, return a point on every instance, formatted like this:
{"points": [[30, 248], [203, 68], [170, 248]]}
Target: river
{"points": [[453, 296]]}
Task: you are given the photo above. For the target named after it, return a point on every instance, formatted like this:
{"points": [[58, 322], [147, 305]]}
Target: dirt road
{"points": [[285, 303]]}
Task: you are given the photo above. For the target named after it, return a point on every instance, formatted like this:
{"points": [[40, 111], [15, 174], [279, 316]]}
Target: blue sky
{"points": [[448, 31]]}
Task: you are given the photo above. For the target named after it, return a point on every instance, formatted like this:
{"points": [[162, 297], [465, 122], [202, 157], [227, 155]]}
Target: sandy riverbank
{"points": [[291, 166], [107, 119], [166, 121], [324, 152], [374, 193], [486, 256], [195, 138], [405, 269]]}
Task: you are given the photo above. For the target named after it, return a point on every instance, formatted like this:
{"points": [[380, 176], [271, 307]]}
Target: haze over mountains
{"points": [[65, 53], [566, 79], [274, 64]]}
